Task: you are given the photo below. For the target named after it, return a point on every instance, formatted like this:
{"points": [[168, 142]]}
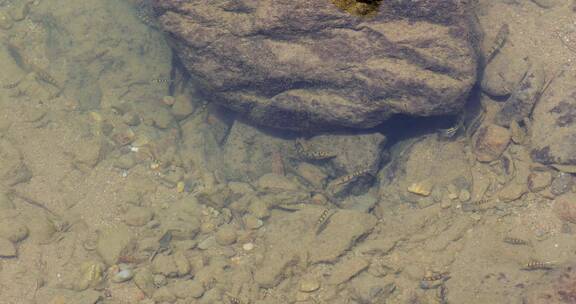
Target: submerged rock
{"points": [[554, 123], [302, 64], [491, 142], [248, 151], [340, 234]]}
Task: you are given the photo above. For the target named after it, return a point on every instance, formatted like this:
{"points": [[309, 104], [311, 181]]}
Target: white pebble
{"points": [[248, 246]]}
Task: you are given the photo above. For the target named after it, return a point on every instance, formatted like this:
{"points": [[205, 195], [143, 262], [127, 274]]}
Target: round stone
{"points": [[226, 235], [248, 246], [309, 284]]}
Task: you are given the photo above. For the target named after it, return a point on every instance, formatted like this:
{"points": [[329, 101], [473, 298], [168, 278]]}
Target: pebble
{"points": [[182, 107], [123, 135], [452, 191], [491, 141], [309, 284], [91, 275], [562, 183], [196, 289], [565, 208], [319, 199], [168, 100], [7, 249], [226, 235], [259, 208], [123, 275], [252, 222], [464, 195], [512, 192], [165, 265], [159, 280], [162, 118], [423, 188], [538, 180], [125, 161], [145, 281], [138, 216], [208, 226], [248, 246], [13, 230], [182, 263], [131, 119], [6, 21]]}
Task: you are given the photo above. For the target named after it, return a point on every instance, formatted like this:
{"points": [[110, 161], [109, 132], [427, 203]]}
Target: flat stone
{"points": [[538, 180]]}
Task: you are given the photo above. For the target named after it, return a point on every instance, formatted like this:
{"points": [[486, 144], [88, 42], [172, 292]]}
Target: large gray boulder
{"points": [[301, 65]]}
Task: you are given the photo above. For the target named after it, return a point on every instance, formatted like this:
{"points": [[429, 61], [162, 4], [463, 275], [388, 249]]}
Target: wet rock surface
{"points": [[321, 247], [490, 142], [303, 65], [555, 123]]}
